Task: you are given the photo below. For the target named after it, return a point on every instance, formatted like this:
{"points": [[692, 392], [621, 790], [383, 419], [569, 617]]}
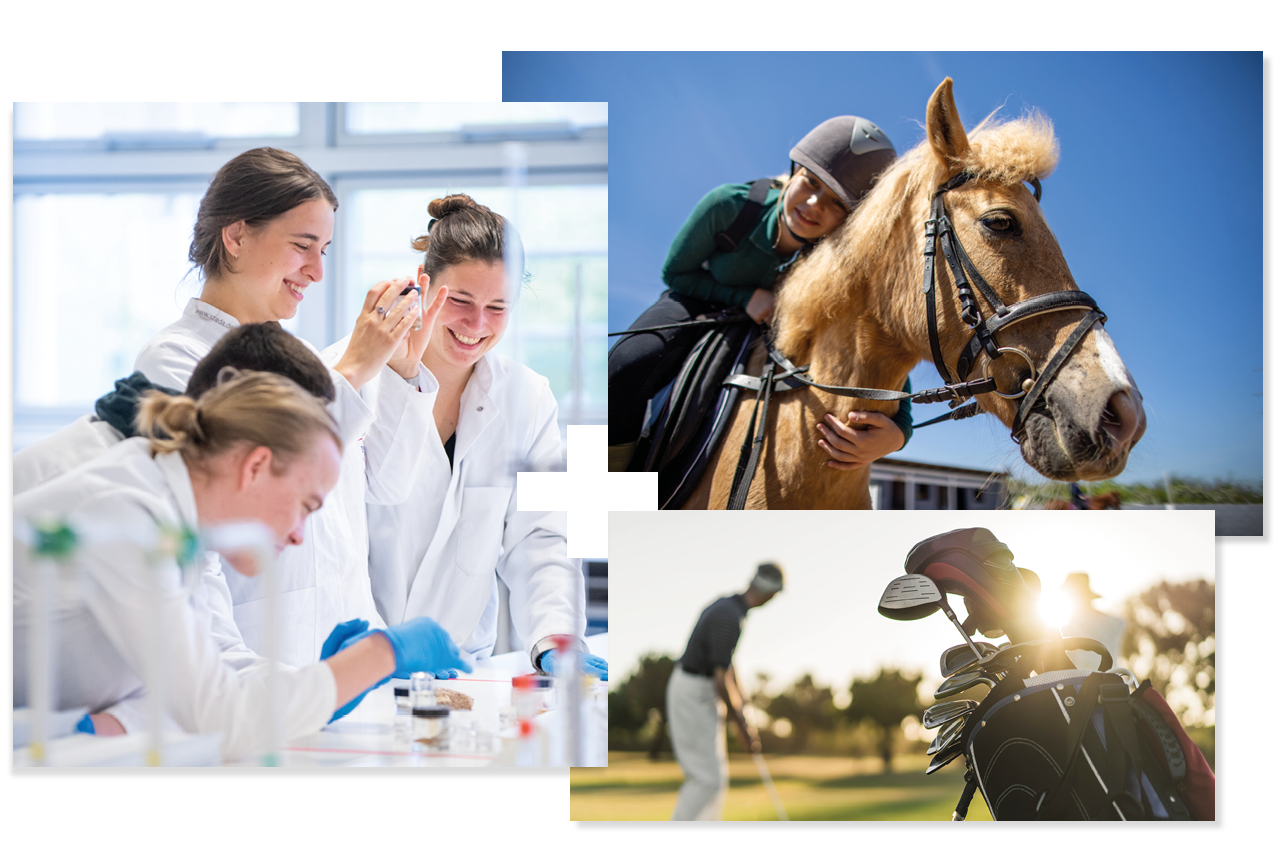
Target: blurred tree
{"points": [[806, 706], [637, 707], [1171, 640], [884, 701]]}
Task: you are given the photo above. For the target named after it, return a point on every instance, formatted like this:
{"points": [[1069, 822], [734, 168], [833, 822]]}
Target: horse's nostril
{"points": [[1123, 419]]}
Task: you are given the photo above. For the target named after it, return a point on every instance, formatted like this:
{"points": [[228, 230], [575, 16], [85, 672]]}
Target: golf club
{"points": [[945, 711], [911, 597], [1002, 660], [959, 657], [766, 777], [946, 756], [769, 786], [962, 681], [946, 735]]}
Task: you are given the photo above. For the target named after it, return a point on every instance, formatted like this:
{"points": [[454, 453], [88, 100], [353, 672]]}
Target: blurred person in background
{"points": [[703, 693]]}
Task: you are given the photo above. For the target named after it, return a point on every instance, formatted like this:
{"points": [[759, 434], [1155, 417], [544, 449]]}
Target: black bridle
{"points": [[939, 227], [779, 374]]}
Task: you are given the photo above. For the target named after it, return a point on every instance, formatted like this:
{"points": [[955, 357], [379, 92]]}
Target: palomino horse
{"points": [[855, 313]]}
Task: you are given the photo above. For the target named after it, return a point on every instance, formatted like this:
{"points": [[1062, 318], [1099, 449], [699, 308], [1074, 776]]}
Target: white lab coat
{"points": [[104, 632], [62, 451], [325, 580], [76, 445], [439, 552]]}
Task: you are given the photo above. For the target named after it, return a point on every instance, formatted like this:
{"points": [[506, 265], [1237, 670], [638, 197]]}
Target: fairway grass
{"points": [[634, 788]]}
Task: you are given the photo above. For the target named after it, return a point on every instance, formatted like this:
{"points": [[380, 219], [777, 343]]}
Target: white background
{"points": [[404, 51]]}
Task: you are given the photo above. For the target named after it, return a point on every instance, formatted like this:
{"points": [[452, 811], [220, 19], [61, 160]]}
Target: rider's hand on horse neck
{"points": [[760, 305], [866, 437]]}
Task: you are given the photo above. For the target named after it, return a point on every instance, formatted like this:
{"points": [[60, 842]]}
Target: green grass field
{"points": [[633, 788]]}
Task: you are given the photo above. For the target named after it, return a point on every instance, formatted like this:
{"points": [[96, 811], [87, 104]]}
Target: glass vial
{"points": [[422, 688], [430, 727]]}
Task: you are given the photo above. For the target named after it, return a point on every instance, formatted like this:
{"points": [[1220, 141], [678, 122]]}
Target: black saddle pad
{"points": [[684, 434]]}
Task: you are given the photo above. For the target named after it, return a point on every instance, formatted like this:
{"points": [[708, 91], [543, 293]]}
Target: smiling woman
{"points": [[439, 551], [258, 241]]}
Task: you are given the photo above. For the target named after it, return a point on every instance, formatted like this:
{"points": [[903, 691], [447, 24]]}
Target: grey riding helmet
{"points": [[847, 153]]}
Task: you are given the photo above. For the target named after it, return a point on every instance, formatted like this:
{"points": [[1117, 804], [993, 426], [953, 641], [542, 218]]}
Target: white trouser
{"points": [[697, 714]]}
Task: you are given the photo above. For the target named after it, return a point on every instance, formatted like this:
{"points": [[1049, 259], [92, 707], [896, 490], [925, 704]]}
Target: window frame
{"points": [[553, 155]]}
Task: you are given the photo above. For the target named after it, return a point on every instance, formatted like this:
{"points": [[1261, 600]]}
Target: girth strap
{"points": [[752, 446]]}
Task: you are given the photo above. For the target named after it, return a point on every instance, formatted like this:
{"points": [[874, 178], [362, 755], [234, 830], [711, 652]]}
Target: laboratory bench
{"points": [[368, 735]]}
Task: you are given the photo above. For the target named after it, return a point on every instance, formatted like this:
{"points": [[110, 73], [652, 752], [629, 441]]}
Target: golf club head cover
{"points": [[973, 563]]}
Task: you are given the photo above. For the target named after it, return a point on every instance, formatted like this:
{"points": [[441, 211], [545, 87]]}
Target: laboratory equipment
{"points": [[405, 292], [572, 701], [507, 720], [47, 545], [403, 699], [539, 690], [430, 727], [403, 721], [526, 697], [422, 689], [462, 730]]}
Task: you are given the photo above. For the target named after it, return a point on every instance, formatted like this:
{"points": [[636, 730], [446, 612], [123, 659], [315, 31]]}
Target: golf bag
{"points": [[1079, 745]]}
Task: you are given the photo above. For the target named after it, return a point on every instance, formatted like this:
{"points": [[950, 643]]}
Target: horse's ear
{"points": [[945, 130]]}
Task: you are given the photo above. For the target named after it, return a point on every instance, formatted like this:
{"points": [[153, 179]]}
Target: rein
{"points": [[956, 390], [711, 318]]}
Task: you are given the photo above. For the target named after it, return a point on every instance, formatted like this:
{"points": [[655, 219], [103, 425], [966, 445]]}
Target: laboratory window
{"points": [[529, 118], [558, 325], [140, 124]]}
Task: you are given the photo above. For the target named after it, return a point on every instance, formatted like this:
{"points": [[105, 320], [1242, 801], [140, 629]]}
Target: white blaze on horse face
{"points": [[1111, 362]]}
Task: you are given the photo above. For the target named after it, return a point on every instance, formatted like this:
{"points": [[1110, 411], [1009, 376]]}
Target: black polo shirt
{"points": [[715, 636]]}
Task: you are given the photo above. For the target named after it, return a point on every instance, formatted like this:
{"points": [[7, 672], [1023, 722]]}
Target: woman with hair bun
{"points": [[440, 552], [256, 447], [258, 240]]}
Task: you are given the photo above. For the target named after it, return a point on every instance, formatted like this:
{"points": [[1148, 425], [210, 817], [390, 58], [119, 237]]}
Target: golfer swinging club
{"points": [[703, 690]]}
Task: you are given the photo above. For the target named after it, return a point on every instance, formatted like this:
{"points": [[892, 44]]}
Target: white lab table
{"points": [[365, 736]]}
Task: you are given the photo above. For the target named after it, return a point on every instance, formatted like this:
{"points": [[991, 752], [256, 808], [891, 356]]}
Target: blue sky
{"points": [[1156, 201]]}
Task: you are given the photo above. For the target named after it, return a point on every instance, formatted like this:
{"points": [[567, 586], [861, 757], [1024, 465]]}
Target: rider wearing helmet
{"points": [[730, 252]]}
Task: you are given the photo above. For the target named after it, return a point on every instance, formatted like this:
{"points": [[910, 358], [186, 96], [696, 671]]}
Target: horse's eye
{"points": [[1002, 224]]}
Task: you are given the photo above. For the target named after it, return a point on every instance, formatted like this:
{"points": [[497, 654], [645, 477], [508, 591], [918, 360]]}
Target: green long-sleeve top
{"points": [[695, 267]]}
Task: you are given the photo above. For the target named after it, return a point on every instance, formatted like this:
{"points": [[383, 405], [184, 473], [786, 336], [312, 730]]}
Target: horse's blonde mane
{"points": [[816, 289]]}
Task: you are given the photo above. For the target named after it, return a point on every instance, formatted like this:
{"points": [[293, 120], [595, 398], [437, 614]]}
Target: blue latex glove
{"points": [[592, 664], [85, 725], [346, 634], [341, 637], [421, 645]]}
